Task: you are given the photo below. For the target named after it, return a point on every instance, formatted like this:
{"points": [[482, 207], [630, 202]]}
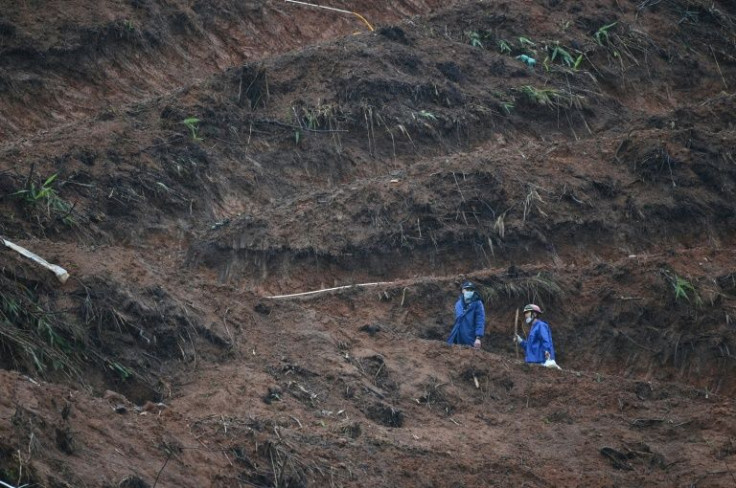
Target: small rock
{"points": [[114, 397]]}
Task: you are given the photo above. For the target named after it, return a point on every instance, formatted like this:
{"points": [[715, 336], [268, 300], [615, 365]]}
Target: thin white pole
{"points": [[325, 290], [334, 10]]}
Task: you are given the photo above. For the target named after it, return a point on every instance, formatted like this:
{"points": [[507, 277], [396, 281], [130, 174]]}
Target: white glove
{"points": [[476, 344], [519, 339], [551, 363]]}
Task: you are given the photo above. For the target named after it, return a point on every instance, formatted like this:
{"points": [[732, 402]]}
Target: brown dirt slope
{"points": [[189, 161]]}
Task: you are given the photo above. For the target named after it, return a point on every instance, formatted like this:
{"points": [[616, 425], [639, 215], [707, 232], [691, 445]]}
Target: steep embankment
{"points": [[182, 189]]}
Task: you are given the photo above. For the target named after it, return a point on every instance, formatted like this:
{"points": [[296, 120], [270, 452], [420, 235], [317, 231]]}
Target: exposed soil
{"points": [[194, 164]]}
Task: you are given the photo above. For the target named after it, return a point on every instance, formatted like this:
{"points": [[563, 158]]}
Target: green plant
{"points": [[507, 107], [542, 96], [503, 46], [46, 329], [121, 370], [34, 336], [551, 97], [577, 62], [683, 289], [563, 55], [321, 116], [475, 39], [427, 115], [33, 195], [10, 307], [192, 123], [601, 35], [525, 41], [45, 196]]}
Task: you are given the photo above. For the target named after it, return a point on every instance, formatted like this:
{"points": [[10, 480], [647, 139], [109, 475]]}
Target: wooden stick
{"points": [[516, 332]]}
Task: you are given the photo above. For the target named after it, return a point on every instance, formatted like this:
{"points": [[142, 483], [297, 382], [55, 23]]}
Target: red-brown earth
{"points": [[190, 162]]}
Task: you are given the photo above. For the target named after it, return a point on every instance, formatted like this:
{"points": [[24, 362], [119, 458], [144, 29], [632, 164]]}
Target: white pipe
{"points": [[61, 273], [342, 11], [331, 289], [320, 6], [9, 486]]}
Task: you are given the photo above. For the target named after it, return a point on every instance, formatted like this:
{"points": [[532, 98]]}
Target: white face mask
{"points": [[528, 320], [468, 294]]}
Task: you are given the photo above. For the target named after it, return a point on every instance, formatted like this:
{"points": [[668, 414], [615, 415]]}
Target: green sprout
{"points": [[192, 123], [475, 39], [525, 41], [601, 35], [563, 54], [577, 62], [503, 46], [683, 289]]}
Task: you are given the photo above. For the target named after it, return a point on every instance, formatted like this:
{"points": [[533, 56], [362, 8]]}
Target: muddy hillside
{"points": [[266, 210]]}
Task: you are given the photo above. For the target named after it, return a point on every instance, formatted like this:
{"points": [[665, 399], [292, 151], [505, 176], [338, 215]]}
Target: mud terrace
{"points": [[199, 167]]}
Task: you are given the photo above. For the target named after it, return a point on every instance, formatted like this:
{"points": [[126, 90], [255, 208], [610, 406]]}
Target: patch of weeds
{"points": [[36, 338], [321, 117], [45, 197], [553, 98], [539, 288]]}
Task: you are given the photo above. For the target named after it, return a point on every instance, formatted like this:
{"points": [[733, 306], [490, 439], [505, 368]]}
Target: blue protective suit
{"points": [[539, 340], [470, 321]]}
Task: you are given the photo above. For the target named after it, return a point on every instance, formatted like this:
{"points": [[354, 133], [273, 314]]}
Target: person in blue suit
{"points": [[470, 318], [538, 345]]}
